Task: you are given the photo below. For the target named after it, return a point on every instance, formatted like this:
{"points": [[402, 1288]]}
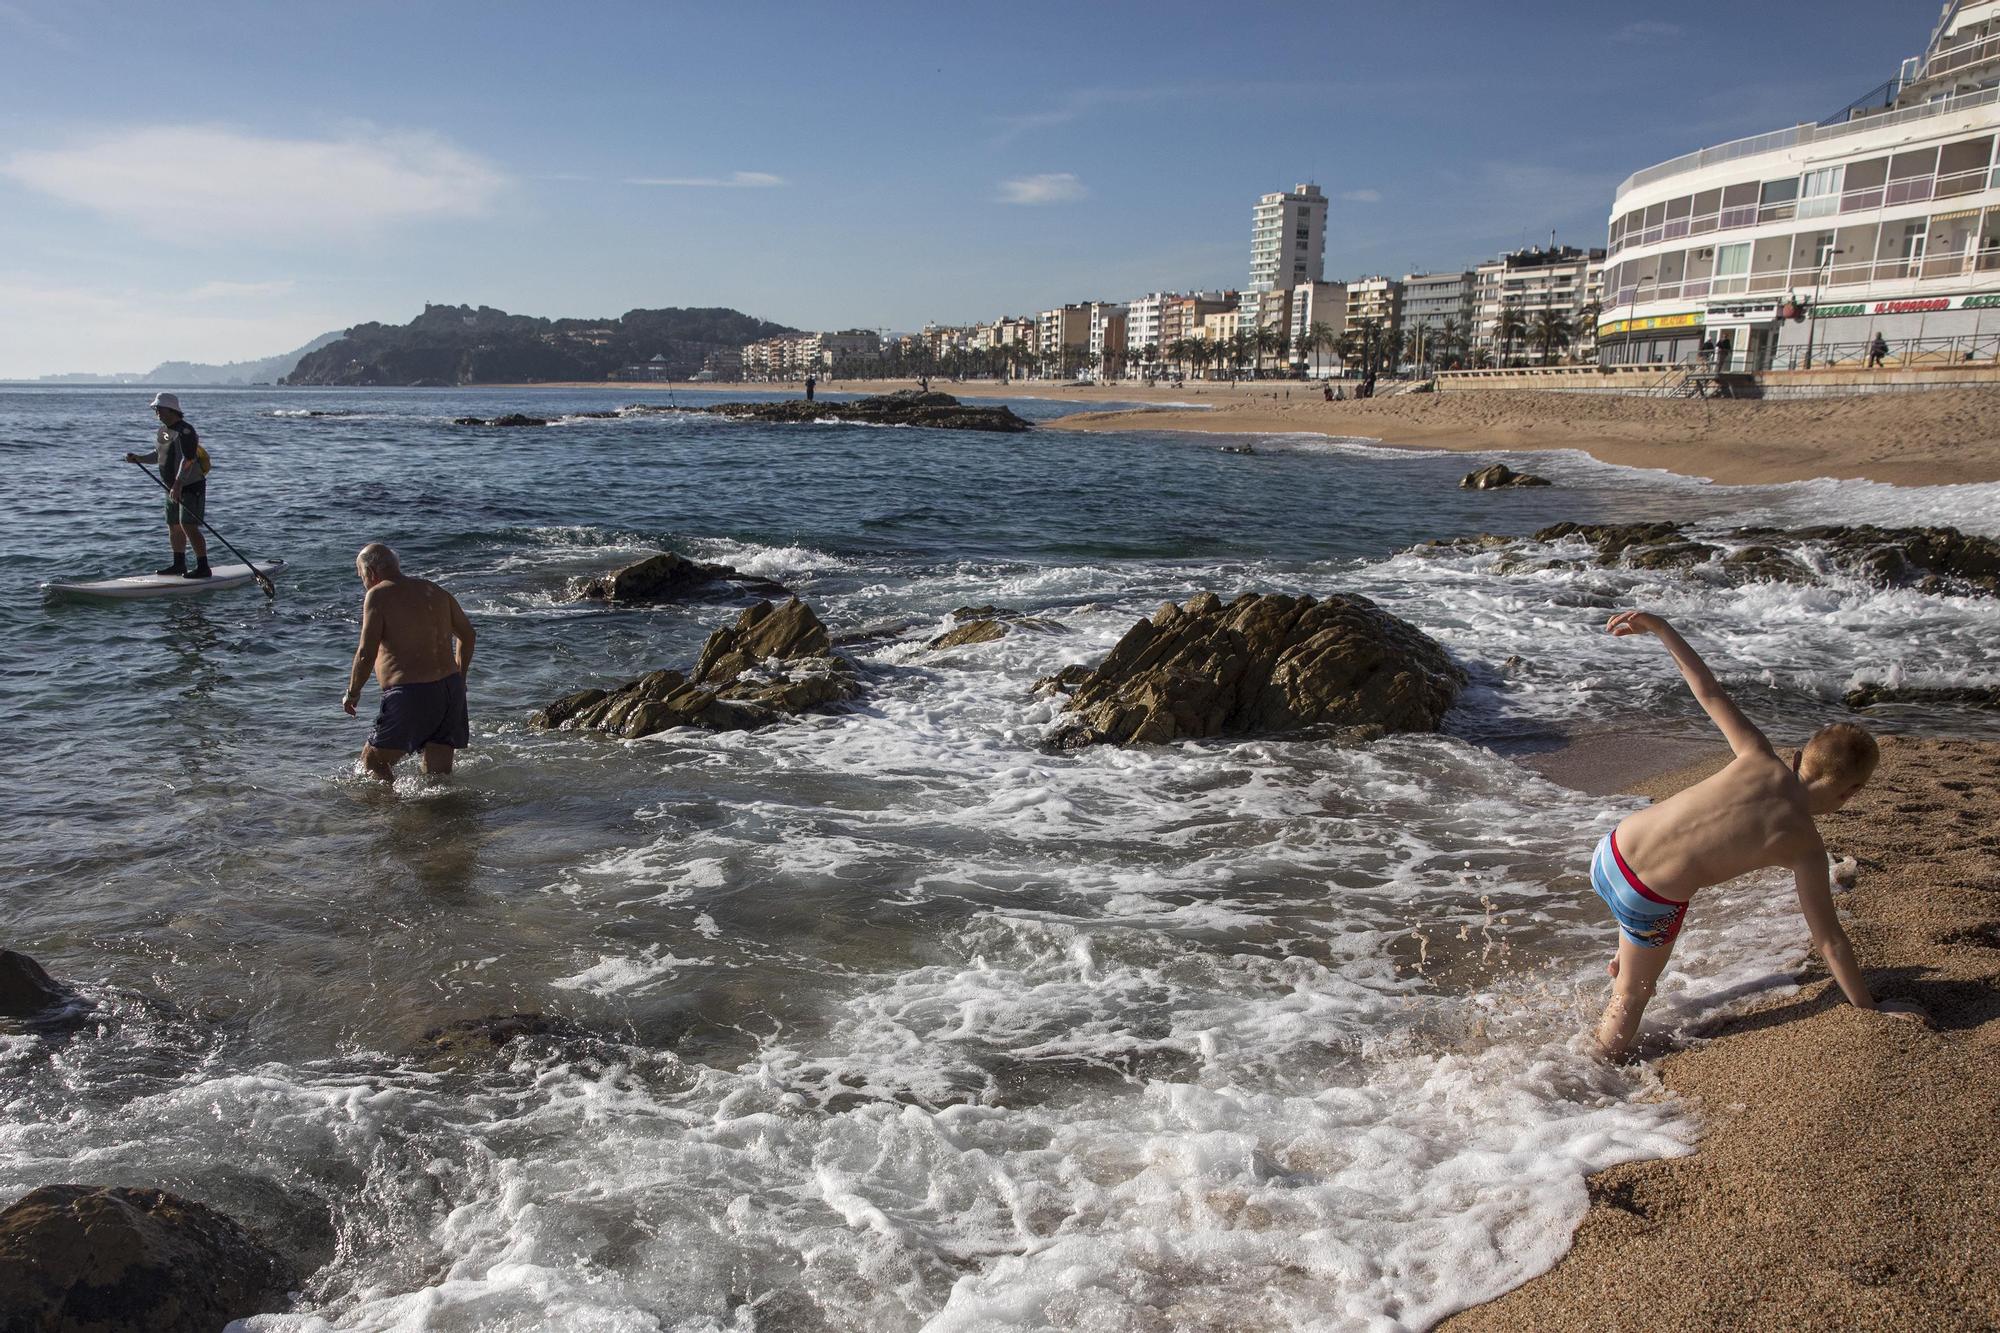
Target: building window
{"points": [[1819, 193]]}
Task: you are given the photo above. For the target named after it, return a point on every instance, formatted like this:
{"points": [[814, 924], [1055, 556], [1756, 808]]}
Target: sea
{"points": [[890, 1018]]}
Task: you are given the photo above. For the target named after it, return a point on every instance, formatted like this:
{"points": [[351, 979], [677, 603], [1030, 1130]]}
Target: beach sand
{"points": [[1925, 438], [1849, 1175]]}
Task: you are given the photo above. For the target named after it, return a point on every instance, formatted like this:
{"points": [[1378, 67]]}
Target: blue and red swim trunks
{"points": [[1647, 919]]}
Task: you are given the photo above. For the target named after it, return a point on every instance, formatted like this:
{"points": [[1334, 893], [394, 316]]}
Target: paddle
{"points": [[263, 579]]}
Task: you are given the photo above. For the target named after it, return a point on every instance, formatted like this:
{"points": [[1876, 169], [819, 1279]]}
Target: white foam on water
{"points": [[770, 562], [613, 974]]}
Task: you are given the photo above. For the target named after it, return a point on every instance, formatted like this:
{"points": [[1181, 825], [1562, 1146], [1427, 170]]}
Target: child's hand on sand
{"points": [[1633, 622]]}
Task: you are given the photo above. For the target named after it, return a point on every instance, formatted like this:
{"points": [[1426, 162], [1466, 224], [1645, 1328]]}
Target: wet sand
{"points": [[1934, 437], [1850, 1171]]}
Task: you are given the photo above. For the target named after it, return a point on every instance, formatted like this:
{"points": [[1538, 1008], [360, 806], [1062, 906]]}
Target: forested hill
{"points": [[450, 344]]}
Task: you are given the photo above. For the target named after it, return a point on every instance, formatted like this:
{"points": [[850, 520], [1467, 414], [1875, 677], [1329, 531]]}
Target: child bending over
{"points": [[1757, 812]]}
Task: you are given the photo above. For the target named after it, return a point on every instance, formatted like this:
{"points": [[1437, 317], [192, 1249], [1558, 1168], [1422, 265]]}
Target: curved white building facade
{"points": [[1802, 245]]}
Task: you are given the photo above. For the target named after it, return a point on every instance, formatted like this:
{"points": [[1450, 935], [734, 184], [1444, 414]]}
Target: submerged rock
{"points": [[1971, 696], [774, 662], [26, 988], [1498, 476], [970, 632], [109, 1260], [1262, 663], [1931, 560], [906, 407], [670, 577], [511, 419]]}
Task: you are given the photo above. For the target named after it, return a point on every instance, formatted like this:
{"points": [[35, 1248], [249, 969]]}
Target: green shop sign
{"points": [[1836, 311]]}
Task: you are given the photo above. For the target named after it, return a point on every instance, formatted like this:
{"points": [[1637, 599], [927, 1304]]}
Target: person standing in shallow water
{"points": [[177, 453], [417, 640]]}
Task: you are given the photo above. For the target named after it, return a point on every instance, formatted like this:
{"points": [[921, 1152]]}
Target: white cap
{"points": [[166, 400]]}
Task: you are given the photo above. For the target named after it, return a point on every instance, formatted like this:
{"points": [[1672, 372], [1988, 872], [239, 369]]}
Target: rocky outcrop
{"points": [[774, 662], [1931, 560], [1262, 663], [511, 419], [984, 624], [907, 407], [1969, 696], [1496, 477], [668, 577], [26, 989], [971, 632], [111, 1260]]}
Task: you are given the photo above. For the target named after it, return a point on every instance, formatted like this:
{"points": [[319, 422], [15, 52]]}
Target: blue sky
{"points": [[215, 181]]}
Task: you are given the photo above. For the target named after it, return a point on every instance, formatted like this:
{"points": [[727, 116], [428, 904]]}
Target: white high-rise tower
{"points": [[1287, 242]]}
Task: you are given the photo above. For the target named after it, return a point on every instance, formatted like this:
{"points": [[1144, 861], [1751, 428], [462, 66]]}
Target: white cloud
{"points": [[52, 328], [235, 291], [211, 183], [1362, 196], [735, 180], [1050, 187]]}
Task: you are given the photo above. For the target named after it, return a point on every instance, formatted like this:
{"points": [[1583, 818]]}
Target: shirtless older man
{"points": [[408, 626]]}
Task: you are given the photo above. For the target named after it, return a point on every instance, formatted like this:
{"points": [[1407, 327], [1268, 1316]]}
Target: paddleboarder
{"points": [[177, 453], [408, 626]]}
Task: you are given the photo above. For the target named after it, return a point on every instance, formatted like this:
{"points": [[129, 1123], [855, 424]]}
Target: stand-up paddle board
{"points": [[162, 585]]}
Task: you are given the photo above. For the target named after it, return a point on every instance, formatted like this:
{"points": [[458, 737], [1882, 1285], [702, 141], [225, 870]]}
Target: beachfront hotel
{"points": [[1797, 247]]}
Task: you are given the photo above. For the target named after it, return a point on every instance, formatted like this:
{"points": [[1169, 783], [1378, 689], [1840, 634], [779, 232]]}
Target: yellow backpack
{"points": [[201, 457]]}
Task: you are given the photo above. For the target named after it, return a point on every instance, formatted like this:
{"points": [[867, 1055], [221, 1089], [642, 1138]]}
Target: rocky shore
{"points": [[906, 407]]}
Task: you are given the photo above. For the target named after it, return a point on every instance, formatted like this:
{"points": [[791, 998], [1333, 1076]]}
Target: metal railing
{"points": [[1903, 353], [1804, 133]]}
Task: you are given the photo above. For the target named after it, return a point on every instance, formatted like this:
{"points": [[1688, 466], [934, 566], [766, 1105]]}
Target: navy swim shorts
{"points": [[431, 713]]}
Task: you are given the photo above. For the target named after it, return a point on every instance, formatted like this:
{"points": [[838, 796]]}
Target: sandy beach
{"points": [[1850, 1172], [1937, 437]]}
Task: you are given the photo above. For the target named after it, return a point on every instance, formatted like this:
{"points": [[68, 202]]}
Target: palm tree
{"points": [[1586, 319], [1550, 329], [1508, 329], [1450, 337], [1319, 339], [1421, 342]]}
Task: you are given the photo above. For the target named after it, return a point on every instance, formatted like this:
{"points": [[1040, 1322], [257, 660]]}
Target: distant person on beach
{"points": [[1877, 349], [1707, 352], [1755, 814], [408, 626], [178, 454]]}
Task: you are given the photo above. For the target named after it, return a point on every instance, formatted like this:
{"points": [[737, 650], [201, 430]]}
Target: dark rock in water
{"points": [[1931, 560], [907, 407], [869, 636], [1649, 545], [1238, 449], [26, 989], [1065, 681], [1971, 696], [970, 632], [511, 419], [671, 577], [111, 1260], [1498, 476], [774, 662], [1938, 560], [1263, 663], [485, 1037]]}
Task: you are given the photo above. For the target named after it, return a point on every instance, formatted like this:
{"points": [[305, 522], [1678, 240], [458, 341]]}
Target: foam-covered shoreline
{"points": [[1938, 437], [1844, 1153]]}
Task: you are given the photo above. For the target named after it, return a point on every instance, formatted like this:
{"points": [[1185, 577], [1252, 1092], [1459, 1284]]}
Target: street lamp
{"points": [[1812, 312]]}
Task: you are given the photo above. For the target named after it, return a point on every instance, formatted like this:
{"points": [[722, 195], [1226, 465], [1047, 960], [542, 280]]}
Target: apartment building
{"points": [[1556, 279], [1108, 325], [1062, 336], [1182, 317], [1881, 219], [1377, 300], [1144, 319], [1316, 304], [1287, 243]]}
